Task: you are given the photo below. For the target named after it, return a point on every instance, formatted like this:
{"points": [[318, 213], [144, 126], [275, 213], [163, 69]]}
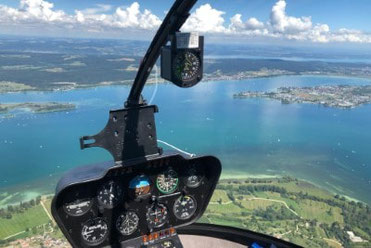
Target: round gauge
{"points": [[193, 178], [94, 231], [140, 186], [127, 223], [185, 207], [78, 207], [109, 194], [167, 182], [186, 66], [156, 215]]}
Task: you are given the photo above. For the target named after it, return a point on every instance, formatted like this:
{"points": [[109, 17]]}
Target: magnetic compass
{"points": [[186, 66]]}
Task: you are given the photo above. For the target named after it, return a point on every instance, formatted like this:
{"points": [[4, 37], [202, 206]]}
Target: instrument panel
{"points": [[142, 200]]}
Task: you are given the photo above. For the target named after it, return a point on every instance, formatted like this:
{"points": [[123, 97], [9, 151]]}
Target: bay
{"points": [[253, 137]]}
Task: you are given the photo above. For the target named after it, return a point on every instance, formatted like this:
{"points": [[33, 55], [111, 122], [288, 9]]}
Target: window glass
{"points": [[284, 104]]}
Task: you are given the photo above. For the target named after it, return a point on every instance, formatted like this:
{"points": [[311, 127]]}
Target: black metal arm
{"points": [[173, 21]]}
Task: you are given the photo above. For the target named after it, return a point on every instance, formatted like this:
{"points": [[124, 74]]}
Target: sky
{"points": [[283, 21]]}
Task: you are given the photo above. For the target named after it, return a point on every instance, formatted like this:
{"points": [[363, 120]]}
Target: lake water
{"points": [[330, 147]]}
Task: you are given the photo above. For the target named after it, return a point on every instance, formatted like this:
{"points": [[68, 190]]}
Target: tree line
{"points": [[7, 213]]}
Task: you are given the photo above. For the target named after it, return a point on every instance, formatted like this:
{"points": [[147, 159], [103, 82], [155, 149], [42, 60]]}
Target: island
{"points": [[9, 87], [337, 96], [285, 207], [43, 107]]}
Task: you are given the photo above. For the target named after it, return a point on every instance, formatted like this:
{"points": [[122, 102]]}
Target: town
{"points": [[338, 96]]}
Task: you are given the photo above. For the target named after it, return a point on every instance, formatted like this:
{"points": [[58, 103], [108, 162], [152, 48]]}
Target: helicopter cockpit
{"points": [[147, 197], [137, 204]]}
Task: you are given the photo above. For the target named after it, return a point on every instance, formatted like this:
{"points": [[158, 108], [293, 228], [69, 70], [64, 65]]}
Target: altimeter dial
{"points": [[109, 194], [94, 231], [127, 223], [185, 207]]}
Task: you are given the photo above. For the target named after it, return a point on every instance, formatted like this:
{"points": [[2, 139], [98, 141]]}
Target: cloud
{"points": [[282, 26], [103, 18], [30, 11], [131, 17], [100, 8], [206, 19], [122, 18], [39, 9], [238, 25], [282, 23]]}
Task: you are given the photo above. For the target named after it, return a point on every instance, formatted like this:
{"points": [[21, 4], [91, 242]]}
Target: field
{"points": [[20, 222], [290, 209]]}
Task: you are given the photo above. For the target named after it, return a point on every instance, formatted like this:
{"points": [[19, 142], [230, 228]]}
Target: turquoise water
{"points": [[330, 147]]}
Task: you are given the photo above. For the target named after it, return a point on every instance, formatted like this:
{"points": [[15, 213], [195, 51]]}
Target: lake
{"points": [[253, 137]]}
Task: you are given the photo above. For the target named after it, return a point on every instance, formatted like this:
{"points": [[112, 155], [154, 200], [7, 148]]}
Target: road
{"points": [[47, 212], [279, 201]]}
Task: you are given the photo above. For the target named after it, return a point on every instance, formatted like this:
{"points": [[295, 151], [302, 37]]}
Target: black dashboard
{"points": [[137, 203]]}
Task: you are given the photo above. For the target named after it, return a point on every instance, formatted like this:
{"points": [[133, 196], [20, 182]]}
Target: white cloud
{"points": [[39, 9], [237, 25], [131, 17], [205, 19], [41, 12], [31, 11], [282, 23], [100, 8], [253, 24]]}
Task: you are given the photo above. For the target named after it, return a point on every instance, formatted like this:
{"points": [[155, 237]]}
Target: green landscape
{"points": [[290, 209], [287, 208], [24, 71]]}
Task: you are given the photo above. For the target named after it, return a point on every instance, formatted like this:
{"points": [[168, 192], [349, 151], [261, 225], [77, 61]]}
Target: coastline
{"points": [[152, 81], [227, 175], [13, 195], [335, 96], [37, 107], [242, 175]]}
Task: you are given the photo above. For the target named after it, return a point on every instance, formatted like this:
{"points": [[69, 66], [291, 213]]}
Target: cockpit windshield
{"points": [[255, 116]]}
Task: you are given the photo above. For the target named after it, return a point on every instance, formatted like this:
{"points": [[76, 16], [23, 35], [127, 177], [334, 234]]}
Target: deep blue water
{"points": [[330, 147]]}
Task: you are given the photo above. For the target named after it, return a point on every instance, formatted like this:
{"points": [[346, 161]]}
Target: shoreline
{"points": [[36, 107], [239, 175], [151, 81], [227, 175], [335, 96], [32, 192]]}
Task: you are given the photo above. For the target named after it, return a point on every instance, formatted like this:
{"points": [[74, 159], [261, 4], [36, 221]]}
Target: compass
{"points": [[186, 66]]}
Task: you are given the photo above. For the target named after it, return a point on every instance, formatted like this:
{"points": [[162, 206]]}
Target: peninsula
{"points": [[337, 96], [44, 107]]}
